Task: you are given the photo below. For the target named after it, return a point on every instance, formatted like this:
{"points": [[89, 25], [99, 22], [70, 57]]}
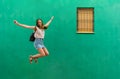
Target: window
{"points": [[85, 20]]}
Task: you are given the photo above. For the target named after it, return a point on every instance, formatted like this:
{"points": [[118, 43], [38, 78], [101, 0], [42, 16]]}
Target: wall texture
{"points": [[72, 55]]}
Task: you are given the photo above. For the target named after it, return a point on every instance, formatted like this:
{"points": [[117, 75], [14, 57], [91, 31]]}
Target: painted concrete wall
{"points": [[72, 55]]}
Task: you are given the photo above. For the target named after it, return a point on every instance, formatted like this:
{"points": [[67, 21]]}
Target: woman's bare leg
{"points": [[45, 51], [41, 54]]}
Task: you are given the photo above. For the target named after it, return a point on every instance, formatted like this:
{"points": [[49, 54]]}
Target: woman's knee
{"points": [[46, 54]]}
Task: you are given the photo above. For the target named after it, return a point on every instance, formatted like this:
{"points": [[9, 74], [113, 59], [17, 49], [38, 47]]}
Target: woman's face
{"points": [[39, 23]]}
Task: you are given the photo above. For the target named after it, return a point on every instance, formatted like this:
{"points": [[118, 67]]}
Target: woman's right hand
{"points": [[15, 22]]}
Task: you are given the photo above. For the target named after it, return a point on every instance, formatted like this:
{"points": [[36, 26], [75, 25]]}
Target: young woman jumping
{"points": [[39, 37]]}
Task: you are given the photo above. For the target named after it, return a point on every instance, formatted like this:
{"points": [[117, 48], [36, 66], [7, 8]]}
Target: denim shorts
{"points": [[39, 43]]}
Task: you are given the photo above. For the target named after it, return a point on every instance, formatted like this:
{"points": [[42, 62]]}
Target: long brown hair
{"points": [[42, 23]]}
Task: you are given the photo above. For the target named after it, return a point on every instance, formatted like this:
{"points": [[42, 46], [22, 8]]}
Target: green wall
{"points": [[72, 55]]}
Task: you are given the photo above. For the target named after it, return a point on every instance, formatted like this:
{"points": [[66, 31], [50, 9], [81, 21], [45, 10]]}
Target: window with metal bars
{"points": [[85, 20]]}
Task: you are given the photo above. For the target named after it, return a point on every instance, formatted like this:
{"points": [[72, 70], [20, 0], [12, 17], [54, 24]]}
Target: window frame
{"points": [[78, 8]]}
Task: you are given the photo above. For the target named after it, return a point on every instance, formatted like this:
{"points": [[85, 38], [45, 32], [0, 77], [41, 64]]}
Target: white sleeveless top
{"points": [[39, 33]]}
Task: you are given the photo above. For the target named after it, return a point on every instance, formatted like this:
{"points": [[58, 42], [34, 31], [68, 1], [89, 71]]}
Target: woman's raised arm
{"points": [[23, 25], [48, 23]]}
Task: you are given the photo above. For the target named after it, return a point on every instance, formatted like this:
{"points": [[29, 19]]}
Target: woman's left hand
{"points": [[52, 17]]}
